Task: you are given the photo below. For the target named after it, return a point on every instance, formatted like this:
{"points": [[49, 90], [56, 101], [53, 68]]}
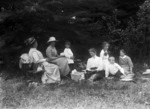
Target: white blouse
{"points": [[94, 62], [68, 54], [35, 55], [102, 55]]}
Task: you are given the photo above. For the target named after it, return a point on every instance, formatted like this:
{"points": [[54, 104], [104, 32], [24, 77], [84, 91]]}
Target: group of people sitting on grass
{"points": [[55, 67], [104, 65]]}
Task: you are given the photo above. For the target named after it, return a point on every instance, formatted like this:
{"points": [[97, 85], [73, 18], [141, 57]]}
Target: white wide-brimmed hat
{"points": [[146, 72], [52, 39]]}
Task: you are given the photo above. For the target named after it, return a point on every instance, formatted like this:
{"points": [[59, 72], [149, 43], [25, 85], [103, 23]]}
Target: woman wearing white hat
{"points": [[53, 57]]}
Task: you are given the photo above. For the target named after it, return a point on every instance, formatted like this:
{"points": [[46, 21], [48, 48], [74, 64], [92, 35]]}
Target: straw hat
{"points": [[52, 39], [30, 41], [147, 71]]}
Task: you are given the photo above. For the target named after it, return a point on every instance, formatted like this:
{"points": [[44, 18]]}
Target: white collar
{"points": [[105, 51], [124, 56], [94, 57]]}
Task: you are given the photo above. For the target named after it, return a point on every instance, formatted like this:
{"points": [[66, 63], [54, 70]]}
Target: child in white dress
{"points": [[104, 54], [69, 54]]}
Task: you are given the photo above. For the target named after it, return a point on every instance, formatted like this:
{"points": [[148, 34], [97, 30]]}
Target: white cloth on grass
{"points": [[24, 58]]}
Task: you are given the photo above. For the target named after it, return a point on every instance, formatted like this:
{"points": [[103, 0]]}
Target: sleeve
{"points": [[102, 54], [101, 66], [48, 53], [67, 54], [106, 70], [88, 67], [120, 68], [119, 60], [35, 56], [130, 62]]}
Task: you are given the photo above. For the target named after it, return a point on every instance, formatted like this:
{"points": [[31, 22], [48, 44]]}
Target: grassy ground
{"points": [[105, 94]]}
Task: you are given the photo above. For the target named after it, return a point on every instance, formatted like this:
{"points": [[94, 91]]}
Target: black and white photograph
{"points": [[74, 54]]}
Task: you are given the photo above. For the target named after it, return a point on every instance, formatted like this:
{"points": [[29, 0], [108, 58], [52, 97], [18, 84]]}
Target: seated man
{"points": [[113, 69], [94, 67]]}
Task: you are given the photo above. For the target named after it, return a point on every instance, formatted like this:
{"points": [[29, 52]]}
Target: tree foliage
{"points": [[85, 23]]}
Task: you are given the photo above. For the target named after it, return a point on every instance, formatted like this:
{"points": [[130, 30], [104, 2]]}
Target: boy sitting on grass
{"points": [[113, 69]]}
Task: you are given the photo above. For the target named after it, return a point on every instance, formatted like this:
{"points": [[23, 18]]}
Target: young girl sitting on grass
{"points": [[125, 62], [113, 69]]}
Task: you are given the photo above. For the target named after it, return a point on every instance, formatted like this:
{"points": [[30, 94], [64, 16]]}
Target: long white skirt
{"points": [[51, 73]]}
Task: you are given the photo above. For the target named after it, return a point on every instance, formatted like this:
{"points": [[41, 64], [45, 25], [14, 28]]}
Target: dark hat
{"points": [[30, 41]]}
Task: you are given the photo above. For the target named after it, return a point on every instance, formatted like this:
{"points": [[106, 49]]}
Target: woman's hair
{"points": [[104, 44], [122, 50], [32, 45], [93, 50], [67, 43]]}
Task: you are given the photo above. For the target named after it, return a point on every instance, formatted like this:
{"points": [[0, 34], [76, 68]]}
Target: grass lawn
{"points": [[106, 94]]}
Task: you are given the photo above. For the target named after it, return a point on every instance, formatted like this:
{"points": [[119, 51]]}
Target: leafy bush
{"points": [[86, 23]]}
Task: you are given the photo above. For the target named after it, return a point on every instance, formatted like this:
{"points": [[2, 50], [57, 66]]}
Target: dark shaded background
{"points": [[123, 23]]}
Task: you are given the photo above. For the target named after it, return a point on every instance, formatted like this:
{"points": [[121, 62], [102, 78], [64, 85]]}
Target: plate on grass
{"points": [[127, 79]]}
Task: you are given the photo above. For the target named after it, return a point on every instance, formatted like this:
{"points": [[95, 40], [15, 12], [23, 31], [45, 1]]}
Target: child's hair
{"points": [[67, 43], [93, 50], [122, 50], [104, 44], [112, 57]]}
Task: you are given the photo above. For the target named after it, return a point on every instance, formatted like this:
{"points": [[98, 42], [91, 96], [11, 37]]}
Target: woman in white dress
{"points": [[94, 68], [51, 71], [104, 54]]}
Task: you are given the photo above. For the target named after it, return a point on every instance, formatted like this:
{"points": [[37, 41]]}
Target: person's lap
{"points": [[117, 75], [95, 75], [63, 65]]}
